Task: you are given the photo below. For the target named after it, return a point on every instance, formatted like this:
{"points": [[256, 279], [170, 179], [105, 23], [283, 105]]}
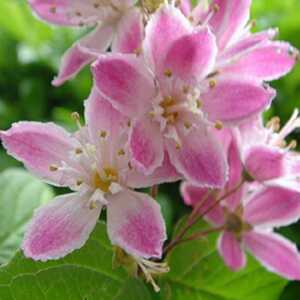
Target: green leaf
{"points": [[197, 273], [84, 275], [20, 195]]}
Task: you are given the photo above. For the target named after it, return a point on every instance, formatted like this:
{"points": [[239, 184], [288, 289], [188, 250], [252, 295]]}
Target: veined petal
{"points": [[192, 195], [192, 56], [273, 206], [227, 23], [83, 52], [165, 26], [39, 146], [163, 174], [230, 249], [199, 158], [146, 145], [265, 163], [125, 81], [275, 253], [267, 61], [233, 100], [129, 33], [60, 227], [135, 224]]}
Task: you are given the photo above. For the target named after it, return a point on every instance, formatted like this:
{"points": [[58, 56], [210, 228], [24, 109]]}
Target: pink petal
{"points": [[59, 227], [135, 224], [146, 145], [82, 53], [273, 206], [185, 7], [265, 163], [129, 33], [53, 11], [193, 194], [227, 23], [192, 56], [163, 174], [101, 116], [268, 61], [230, 249], [38, 146], [200, 158], [125, 81], [165, 26], [235, 99], [275, 253]]}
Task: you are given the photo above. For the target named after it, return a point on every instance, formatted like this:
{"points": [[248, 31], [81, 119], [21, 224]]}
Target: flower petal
{"points": [[273, 206], [163, 174], [146, 145], [228, 22], [129, 33], [275, 253], [268, 61], [235, 99], [200, 158], [165, 26], [193, 194], [59, 227], [82, 53], [125, 81], [192, 56], [38, 146], [230, 249], [135, 224], [265, 163]]}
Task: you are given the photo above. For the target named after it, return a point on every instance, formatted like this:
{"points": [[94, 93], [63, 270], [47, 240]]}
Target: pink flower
{"points": [[118, 23], [248, 55], [172, 100], [94, 164], [249, 215]]}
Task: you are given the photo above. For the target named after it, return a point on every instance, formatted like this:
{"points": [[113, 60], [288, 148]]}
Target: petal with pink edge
{"points": [[39, 146], [273, 206], [265, 163], [163, 174], [275, 253], [229, 19], [60, 227], [126, 82], [230, 249], [82, 53], [135, 223], [129, 33], [102, 117], [233, 100], [165, 26], [146, 145], [267, 61], [193, 195], [199, 158], [192, 56], [53, 11]]}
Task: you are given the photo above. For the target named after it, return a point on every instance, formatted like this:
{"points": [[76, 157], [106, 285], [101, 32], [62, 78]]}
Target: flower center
{"points": [[235, 224], [169, 110], [103, 182]]}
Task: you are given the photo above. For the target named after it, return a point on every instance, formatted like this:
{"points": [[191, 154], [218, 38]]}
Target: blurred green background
{"points": [[29, 56]]}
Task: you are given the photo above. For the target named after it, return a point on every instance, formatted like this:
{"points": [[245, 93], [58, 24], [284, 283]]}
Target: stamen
{"points": [[212, 83], [219, 125], [53, 168], [168, 73], [103, 134]]}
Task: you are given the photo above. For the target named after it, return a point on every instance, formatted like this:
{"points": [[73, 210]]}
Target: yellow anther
{"points": [[103, 134], [212, 83], [187, 125], [53, 168], [121, 152], [178, 146], [92, 205], [79, 182], [199, 103], [75, 116], [219, 125], [78, 151], [168, 73]]}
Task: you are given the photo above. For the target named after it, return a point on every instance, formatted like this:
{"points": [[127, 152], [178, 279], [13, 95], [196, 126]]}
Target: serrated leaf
{"points": [[20, 195], [84, 275]]}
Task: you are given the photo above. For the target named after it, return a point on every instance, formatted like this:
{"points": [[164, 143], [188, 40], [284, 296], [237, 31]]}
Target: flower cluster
{"points": [[178, 94]]}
